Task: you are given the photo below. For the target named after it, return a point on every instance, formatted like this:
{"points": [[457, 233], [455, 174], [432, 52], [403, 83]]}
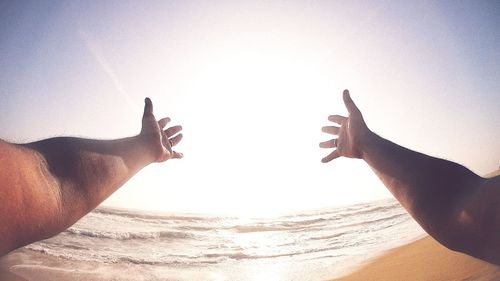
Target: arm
{"points": [[48, 185], [455, 206]]}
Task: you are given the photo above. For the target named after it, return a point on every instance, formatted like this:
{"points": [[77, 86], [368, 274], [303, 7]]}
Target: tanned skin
{"points": [[48, 185], [458, 208]]}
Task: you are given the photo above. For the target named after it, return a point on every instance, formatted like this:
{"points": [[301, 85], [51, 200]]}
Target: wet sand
{"points": [[26, 265], [424, 260]]}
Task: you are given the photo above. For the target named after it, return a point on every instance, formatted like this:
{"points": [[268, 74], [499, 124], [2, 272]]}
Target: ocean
{"points": [[118, 244]]}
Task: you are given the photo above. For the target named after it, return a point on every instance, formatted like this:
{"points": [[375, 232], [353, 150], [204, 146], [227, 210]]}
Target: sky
{"points": [[252, 83]]}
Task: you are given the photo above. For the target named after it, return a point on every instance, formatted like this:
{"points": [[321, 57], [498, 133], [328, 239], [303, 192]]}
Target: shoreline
{"points": [[26, 265], [424, 259], [7, 275]]}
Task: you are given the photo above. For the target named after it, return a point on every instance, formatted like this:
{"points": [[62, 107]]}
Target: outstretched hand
{"points": [[160, 141], [351, 133]]}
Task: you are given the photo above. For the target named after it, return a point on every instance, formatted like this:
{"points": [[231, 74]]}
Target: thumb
{"points": [[148, 107], [349, 104]]}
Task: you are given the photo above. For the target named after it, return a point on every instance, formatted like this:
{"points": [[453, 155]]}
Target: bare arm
{"points": [[48, 185], [457, 207]]}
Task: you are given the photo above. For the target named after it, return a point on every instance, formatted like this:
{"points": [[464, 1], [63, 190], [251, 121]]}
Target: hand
{"points": [[158, 140], [352, 133]]}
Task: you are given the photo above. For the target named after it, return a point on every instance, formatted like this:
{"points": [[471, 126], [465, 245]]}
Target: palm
{"points": [[160, 141], [350, 134]]}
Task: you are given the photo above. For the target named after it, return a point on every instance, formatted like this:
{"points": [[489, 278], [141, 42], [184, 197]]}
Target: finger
{"points": [[331, 156], [177, 155], [334, 130], [167, 144], [328, 144], [349, 104], [163, 122], [337, 119], [173, 130], [148, 106], [175, 140]]}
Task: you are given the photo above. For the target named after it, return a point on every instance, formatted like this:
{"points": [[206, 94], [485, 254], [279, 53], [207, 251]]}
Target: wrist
{"points": [[368, 139], [150, 148]]}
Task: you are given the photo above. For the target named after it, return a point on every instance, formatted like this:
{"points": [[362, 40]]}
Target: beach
{"points": [[424, 260], [122, 244], [25, 265], [369, 241]]}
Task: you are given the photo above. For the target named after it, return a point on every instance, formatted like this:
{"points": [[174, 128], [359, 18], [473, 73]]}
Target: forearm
{"points": [[455, 206], [431, 189], [88, 171], [48, 185]]}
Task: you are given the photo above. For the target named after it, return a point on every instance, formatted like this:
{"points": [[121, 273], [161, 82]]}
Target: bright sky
{"points": [[252, 83]]}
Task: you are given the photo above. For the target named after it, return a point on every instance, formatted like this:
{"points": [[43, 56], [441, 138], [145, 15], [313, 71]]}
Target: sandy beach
{"points": [[427, 260]]}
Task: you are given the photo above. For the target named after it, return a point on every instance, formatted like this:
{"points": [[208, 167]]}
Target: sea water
{"points": [[311, 245]]}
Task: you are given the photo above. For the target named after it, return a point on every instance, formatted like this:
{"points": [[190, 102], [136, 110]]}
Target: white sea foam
{"points": [[324, 240]]}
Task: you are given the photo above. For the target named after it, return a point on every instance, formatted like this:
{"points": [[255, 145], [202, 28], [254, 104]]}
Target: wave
{"points": [[247, 256], [257, 228], [380, 219], [330, 214], [196, 228], [307, 224], [152, 216], [360, 208], [175, 260], [121, 236], [361, 226], [130, 235]]}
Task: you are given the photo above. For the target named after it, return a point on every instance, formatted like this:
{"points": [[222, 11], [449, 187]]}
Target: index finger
{"points": [[337, 119], [163, 122]]}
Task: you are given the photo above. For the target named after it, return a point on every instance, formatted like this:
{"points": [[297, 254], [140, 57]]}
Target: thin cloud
{"points": [[96, 51]]}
